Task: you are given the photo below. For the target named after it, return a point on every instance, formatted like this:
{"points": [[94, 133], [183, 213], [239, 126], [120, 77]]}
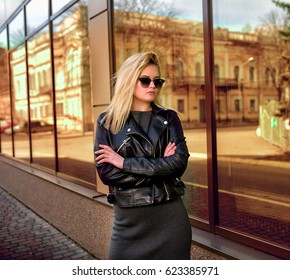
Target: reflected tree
{"points": [[275, 51], [144, 19]]}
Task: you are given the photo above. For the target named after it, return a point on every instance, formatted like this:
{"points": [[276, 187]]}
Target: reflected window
{"points": [[267, 76], [217, 72], [274, 74], [218, 106], [252, 105], [237, 105], [16, 31], [198, 71], [236, 73], [179, 69], [180, 105], [252, 74], [36, 14]]}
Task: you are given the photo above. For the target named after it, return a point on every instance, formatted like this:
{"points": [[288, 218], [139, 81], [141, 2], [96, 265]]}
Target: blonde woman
{"points": [[141, 153]]}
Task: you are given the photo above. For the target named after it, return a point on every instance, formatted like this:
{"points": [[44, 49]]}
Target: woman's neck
{"points": [[143, 107]]}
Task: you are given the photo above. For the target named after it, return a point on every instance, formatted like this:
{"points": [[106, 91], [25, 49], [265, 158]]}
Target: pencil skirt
{"points": [[153, 232]]}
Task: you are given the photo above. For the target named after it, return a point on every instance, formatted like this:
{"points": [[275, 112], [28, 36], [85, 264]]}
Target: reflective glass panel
{"points": [[58, 4], [36, 14], [252, 111], [40, 98], [7, 7], [5, 104], [19, 102], [73, 94], [174, 30], [3, 40], [16, 31]]}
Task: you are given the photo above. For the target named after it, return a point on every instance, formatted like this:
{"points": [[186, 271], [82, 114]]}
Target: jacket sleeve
{"points": [[108, 173], [174, 165]]}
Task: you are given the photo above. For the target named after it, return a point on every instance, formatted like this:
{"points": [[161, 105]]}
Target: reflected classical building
{"points": [[4, 85], [242, 78], [72, 80]]}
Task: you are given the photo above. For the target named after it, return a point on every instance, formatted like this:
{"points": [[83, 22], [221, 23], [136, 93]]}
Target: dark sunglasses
{"points": [[145, 82]]}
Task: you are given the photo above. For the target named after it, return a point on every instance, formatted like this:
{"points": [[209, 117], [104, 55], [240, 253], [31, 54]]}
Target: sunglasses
{"points": [[145, 82]]}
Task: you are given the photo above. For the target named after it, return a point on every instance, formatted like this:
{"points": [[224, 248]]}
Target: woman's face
{"points": [[146, 92]]}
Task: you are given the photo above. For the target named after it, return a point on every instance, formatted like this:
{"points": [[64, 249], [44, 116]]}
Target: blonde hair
{"points": [[125, 82]]}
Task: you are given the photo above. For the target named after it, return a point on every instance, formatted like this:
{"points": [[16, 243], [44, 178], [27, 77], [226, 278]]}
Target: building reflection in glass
{"points": [[73, 94], [40, 100], [68, 98], [5, 104], [254, 196], [19, 101]]}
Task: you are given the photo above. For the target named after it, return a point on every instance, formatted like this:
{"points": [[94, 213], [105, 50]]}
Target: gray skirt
{"points": [[153, 232]]}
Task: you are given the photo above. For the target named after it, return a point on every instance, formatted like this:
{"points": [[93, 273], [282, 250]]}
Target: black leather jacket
{"points": [[147, 176]]}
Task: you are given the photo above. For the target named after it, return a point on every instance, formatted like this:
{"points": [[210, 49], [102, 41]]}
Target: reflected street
{"points": [[254, 194]]}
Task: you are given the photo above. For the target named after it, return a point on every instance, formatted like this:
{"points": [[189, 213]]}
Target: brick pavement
{"points": [[26, 236]]}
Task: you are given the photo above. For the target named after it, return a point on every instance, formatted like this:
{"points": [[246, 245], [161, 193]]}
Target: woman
{"points": [[140, 154]]}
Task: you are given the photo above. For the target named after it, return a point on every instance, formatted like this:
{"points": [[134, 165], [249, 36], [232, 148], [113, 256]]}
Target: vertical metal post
{"points": [[212, 173], [53, 88], [27, 88]]}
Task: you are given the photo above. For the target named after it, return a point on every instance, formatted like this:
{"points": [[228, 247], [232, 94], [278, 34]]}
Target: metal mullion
{"points": [[56, 167], [212, 171], [62, 10], [10, 88], [112, 52], [27, 86]]}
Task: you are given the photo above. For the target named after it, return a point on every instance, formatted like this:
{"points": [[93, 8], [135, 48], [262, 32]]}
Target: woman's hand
{"points": [[170, 149], [107, 154]]}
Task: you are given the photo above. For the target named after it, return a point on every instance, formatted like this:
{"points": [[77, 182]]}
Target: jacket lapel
{"points": [[157, 126]]}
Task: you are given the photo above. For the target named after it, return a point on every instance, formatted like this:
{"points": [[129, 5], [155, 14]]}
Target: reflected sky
{"points": [[231, 14]]}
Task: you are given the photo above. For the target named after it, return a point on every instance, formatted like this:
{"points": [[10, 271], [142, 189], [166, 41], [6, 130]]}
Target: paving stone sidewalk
{"points": [[26, 236]]}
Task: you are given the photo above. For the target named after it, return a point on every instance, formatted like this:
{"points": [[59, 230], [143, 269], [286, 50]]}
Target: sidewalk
{"points": [[26, 236]]}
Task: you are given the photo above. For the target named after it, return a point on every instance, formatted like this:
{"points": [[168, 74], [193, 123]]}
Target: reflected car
{"points": [[5, 126], [38, 126]]}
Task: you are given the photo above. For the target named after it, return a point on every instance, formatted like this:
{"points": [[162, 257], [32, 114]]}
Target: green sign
{"points": [[274, 122]]}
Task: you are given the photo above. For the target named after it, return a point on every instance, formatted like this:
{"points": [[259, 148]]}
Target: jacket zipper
{"points": [[166, 190], [124, 143], [142, 137]]}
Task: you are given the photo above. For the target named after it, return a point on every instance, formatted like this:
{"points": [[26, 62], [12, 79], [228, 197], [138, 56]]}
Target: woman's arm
{"points": [[172, 165], [105, 163]]}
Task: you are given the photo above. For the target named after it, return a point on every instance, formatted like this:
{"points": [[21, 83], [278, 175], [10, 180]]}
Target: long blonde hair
{"points": [[125, 82]]}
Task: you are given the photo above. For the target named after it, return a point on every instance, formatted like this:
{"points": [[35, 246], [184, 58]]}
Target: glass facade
{"points": [[253, 174], [48, 96], [5, 104], [238, 131], [73, 94], [243, 194], [40, 99]]}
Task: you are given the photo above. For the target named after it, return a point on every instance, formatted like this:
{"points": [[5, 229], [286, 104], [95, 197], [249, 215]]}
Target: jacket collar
{"points": [[157, 125]]}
